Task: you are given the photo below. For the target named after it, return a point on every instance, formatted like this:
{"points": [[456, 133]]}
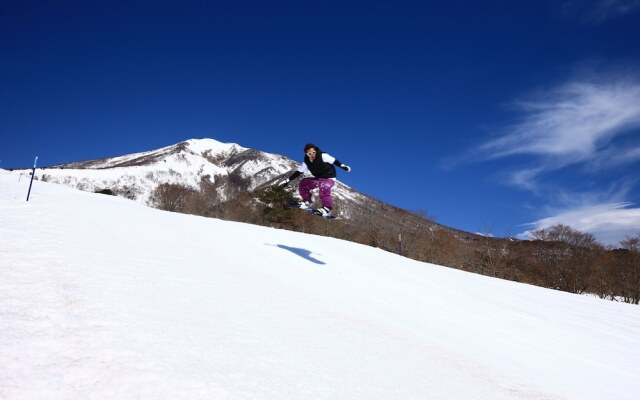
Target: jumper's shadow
{"points": [[304, 253]]}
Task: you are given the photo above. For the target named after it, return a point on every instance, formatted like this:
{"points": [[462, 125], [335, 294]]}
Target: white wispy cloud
{"points": [[523, 178], [597, 12], [614, 156], [571, 123], [609, 223], [605, 213], [589, 124]]}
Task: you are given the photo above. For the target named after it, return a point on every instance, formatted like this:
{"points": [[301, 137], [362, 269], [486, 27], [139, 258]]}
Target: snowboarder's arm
{"points": [[303, 168], [341, 165], [332, 160], [328, 159], [294, 176]]}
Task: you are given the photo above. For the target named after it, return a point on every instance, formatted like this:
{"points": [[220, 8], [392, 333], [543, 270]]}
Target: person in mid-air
{"points": [[322, 167]]}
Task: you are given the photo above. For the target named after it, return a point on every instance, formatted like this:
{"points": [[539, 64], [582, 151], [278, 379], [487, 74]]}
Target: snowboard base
{"points": [[314, 211]]}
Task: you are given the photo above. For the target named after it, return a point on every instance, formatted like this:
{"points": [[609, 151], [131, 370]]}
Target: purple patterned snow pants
{"points": [[324, 190]]}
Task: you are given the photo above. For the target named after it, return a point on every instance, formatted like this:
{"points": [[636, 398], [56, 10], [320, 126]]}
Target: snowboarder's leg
{"points": [[305, 187], [325, 186]]}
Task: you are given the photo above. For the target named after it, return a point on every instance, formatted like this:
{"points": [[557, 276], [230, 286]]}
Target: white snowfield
{"points": [[103, 298]]}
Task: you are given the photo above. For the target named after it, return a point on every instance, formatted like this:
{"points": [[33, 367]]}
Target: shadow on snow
{"points": [[304, 253]]}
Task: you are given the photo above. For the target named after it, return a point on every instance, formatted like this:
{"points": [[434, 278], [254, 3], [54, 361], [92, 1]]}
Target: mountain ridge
{"points": [[229, 167]]}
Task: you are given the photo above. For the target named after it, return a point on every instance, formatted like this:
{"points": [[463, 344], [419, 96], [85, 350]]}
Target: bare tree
{"points": [[568, 255], [631, 274], [171, 197]]}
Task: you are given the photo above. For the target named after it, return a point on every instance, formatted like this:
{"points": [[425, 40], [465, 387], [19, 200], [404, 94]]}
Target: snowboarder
{"points": [[321, 166]]}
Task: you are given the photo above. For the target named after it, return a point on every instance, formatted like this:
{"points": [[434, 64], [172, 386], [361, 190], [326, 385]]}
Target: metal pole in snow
{"points": [[33, 173]]}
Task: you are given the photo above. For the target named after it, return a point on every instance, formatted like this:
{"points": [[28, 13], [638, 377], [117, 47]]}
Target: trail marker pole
{"points": [[33, 173]]}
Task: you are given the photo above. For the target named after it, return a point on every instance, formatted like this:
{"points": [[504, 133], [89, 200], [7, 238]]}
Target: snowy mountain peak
{"points": [[200, 146], [188, 163], [194, 147]]}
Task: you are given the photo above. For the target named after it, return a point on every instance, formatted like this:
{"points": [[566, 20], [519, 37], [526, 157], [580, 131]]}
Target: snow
{"points": [[104, 298], [199, 146]]}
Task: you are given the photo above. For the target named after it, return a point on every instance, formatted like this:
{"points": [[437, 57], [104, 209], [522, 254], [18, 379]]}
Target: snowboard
{"points": [[313, 211]]}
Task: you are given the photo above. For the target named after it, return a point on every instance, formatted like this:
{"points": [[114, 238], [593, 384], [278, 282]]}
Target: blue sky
{"points": [[495, 117]]}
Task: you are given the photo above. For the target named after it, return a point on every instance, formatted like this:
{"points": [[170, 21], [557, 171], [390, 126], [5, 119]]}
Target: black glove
{"points": [[345, 167], [289, 179]]}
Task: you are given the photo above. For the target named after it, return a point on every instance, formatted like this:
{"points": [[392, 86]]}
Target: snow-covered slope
{"points": [[189, 163], [103, 298]]}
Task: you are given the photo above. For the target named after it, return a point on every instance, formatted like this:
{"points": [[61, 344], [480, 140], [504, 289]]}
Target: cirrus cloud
{"points": [[570, 124], [596, 12], [582, 134], [608, 223]]}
